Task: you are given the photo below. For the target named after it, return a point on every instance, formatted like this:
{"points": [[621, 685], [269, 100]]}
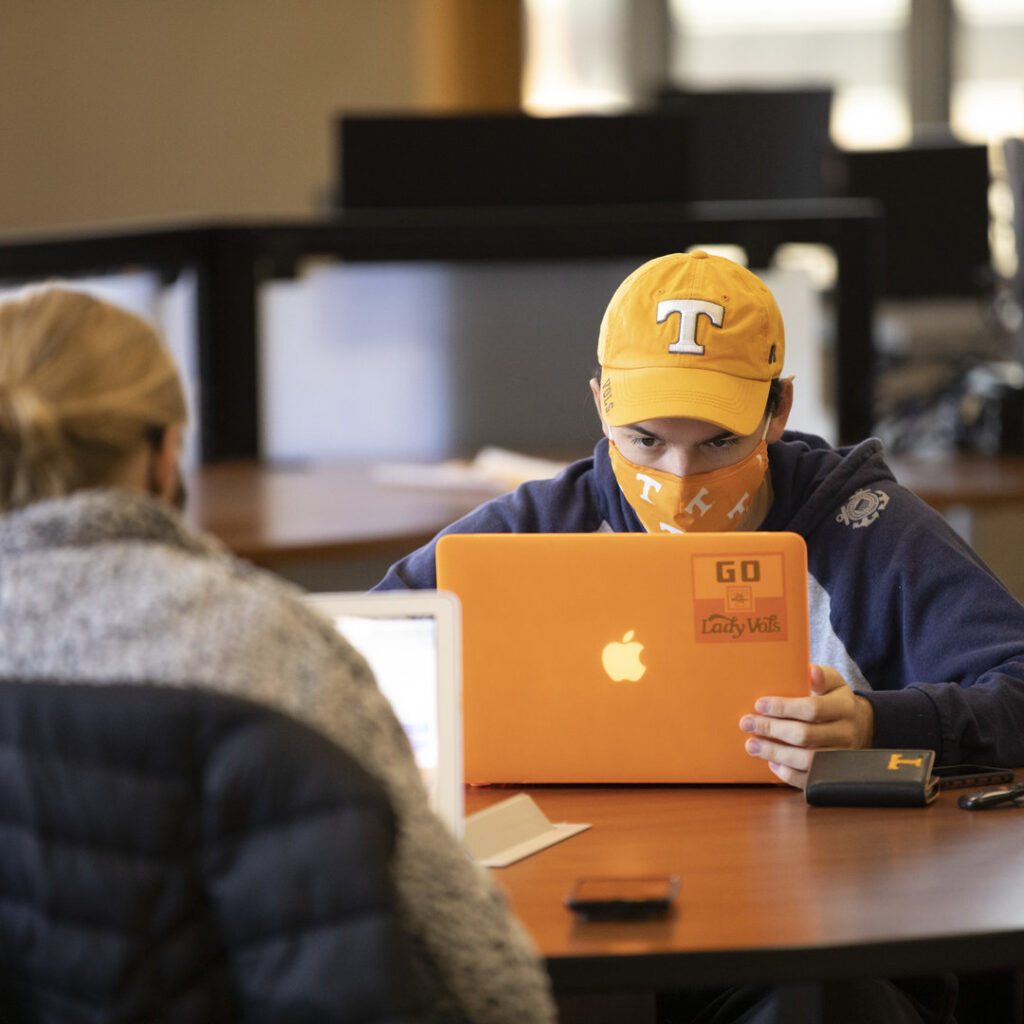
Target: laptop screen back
{"points": [[411, 642], [623, 657]]}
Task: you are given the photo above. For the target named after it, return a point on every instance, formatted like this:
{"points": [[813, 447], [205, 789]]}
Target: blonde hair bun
{"points": [[82, 384]]}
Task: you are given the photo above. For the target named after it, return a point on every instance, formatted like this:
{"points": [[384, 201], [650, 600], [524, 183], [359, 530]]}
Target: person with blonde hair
{"points": [[89, 396], [102, 582]]}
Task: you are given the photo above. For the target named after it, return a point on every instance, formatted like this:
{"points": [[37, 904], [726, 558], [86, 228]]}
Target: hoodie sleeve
{"points": [[929, 634]]}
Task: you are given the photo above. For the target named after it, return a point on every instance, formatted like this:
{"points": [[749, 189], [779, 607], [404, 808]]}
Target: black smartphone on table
{"points": [[618, 898]]}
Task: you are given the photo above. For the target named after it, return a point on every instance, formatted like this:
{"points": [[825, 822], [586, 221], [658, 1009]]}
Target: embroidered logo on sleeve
{"points": [[863, 508]]}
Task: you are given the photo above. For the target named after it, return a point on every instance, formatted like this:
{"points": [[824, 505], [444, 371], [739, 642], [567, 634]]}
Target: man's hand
{"points": [[787, 730]]}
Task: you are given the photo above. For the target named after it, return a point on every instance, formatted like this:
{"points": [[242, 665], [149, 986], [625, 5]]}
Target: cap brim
{"points": [[640, 394]]}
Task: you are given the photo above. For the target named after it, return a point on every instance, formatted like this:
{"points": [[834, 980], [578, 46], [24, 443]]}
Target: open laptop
{"points": [[623, 658], [411, 641]]}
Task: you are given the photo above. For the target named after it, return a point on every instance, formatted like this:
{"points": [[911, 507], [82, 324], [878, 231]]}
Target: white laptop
{"points": [[411, 640]]}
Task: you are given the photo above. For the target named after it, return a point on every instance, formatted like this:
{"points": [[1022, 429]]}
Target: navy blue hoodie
{"points": [[899, 604]]}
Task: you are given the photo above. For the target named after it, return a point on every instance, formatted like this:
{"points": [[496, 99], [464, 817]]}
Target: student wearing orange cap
{"points": [[915, 643]]}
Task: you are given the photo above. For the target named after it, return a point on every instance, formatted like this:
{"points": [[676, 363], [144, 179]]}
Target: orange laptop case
{"points": [[617, 657]]}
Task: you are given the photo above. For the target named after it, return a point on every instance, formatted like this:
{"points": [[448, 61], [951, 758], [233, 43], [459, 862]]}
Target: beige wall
{"points": [[115, 109]]}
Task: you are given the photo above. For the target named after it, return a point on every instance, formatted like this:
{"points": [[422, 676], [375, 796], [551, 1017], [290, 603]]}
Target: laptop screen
{"points": [[411, 642]]}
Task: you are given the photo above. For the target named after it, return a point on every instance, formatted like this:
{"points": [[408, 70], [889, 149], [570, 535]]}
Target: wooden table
{"points": [[772, 890], [274, 516], [279, 515]]}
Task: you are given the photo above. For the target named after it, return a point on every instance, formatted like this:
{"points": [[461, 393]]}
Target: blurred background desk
{"points": [[335, 526], [235, 263], [327, 526], [977, 481]]}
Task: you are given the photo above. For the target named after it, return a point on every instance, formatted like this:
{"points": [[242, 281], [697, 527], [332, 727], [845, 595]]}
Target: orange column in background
{"points": [[469, 54]]}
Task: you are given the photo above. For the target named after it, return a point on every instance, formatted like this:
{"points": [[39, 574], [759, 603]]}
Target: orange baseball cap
{"points": [[694, 335]]}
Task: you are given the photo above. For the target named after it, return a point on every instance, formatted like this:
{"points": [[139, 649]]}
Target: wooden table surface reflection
{"points": [[771, 889]]}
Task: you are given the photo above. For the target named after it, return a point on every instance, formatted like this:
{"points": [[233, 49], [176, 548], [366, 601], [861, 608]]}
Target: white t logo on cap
{"points": [[689, 310]]}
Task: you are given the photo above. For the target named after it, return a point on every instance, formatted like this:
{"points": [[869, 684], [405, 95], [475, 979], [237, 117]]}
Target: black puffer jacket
{"points": [[177, 855]]}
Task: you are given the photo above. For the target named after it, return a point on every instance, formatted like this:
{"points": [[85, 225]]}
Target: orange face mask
{"points": [[719, 500]]}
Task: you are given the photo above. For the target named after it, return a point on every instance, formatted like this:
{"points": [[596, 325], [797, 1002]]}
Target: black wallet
{"points": [[872, 778]]}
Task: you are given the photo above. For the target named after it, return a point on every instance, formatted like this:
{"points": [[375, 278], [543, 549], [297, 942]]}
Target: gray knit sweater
{"points": [[110, 585]]}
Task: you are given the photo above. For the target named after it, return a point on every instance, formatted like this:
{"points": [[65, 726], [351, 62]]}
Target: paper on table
{"points": [[511, 830], [493, 469]]}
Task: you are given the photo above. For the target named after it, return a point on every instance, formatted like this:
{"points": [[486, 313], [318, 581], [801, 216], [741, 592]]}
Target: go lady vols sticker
{"points": [[739, 600]]}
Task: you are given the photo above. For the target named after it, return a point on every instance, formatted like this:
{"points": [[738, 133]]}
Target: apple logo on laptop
{"points": [[621, 659]]}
